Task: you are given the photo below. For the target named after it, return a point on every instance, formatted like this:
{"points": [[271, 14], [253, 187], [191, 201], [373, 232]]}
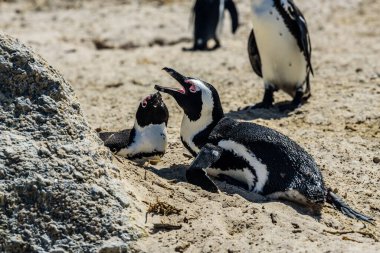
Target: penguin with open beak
{"points": [[147, 140], [260, 159], [208, 21], [279, 50]]}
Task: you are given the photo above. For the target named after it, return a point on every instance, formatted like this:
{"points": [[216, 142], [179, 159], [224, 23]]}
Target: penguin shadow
{"points": [[261, 113], [177, 173]]}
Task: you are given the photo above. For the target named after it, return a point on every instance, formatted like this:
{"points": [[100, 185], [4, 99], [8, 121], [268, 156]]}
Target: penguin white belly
{"points": [[148, 139], [255, 181], [283, 64]]}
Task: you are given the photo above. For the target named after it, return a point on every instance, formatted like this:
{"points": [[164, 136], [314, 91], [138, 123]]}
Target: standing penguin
{"points": [[147, 140], [279, 50], [208, 20], [262, 159]]}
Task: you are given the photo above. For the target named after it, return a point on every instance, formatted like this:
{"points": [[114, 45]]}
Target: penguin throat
{"points": [[195, 133]]}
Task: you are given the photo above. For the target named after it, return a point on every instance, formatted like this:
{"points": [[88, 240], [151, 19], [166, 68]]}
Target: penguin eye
{"points": [[193, 88], [144, 103]]}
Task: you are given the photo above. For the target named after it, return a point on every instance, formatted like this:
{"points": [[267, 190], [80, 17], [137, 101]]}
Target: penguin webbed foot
{"points": [[267, 99], [196, 173], [339, 204], [296, 102]]}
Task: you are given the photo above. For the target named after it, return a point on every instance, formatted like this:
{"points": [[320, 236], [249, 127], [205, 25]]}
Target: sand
{"points": [[113, 52]]}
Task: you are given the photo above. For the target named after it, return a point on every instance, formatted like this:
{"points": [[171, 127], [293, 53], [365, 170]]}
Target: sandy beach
{"points": [[112, 53]]}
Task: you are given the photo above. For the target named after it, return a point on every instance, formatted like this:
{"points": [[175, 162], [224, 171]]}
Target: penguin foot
{"points": [[297, 102]]}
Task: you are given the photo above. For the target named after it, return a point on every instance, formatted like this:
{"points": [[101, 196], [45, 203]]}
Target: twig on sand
{"points": [[161, 226], [366, 234], [118, 158], [162, 185]]}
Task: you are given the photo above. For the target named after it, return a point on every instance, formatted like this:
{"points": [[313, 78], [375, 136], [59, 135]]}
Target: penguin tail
{"points": [[339, 204], [230, 6]]}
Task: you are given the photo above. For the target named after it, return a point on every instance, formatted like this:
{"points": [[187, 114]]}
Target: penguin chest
{"points": [[239, 163], [283, 63], [190, 129], [148, 140]]}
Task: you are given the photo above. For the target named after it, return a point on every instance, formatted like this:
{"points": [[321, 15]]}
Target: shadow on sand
{"points": [[260, 113], [177, 173]]}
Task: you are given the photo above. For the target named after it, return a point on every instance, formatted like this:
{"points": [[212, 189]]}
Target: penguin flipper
{"points": [[339, 204], [231, 7], [196, 173], [253, 53], [115, 140], [304, 37]]}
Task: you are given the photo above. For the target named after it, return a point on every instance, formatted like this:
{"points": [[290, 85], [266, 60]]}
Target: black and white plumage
{"points": [[208, 20], [279, 50], [260, 159], [147, 140]]}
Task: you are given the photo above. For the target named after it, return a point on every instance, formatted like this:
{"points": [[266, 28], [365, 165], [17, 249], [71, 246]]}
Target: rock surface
{"points": [[56, 192]]}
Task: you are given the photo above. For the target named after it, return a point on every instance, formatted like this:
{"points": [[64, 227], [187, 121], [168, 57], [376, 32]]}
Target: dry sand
{"points": [[339, 126]]}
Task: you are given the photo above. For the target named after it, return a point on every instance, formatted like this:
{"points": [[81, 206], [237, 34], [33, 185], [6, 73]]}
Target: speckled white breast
{"points": [[283, 64]]}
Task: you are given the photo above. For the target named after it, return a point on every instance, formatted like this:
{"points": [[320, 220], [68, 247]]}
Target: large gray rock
{"points": [[56, 192]]}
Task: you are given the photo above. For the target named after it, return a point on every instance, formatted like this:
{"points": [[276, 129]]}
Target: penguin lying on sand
{"points": [[208, 20], [262, 159], [147, 140], [279, 50]]}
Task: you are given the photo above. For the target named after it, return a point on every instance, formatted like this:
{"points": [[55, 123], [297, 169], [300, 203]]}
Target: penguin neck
{"points": [[194, 134]]}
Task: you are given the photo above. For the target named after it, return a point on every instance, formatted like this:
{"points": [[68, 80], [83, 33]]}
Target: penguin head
{"points": [[152, 110], [196, 97]]}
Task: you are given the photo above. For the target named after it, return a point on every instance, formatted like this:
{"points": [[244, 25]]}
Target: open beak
{"points": [[156, 99], [180, 79]]}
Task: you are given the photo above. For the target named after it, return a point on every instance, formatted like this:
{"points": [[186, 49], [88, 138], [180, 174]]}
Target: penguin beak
{"points": [[180, 79]]}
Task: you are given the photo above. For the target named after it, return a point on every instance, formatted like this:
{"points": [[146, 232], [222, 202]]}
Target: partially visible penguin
{"points": [[147, 140], [258, 158], [208, 20], [279, 50]]}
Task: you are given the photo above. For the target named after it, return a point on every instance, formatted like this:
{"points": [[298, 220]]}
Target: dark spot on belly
{"points": [[280, 34], [290, 64], [278, 18], [271, 12]]}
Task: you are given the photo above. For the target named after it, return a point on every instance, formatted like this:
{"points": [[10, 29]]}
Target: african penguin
{"points": [[147, 140], [259, 158], [208, 20], [279, 50]]}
